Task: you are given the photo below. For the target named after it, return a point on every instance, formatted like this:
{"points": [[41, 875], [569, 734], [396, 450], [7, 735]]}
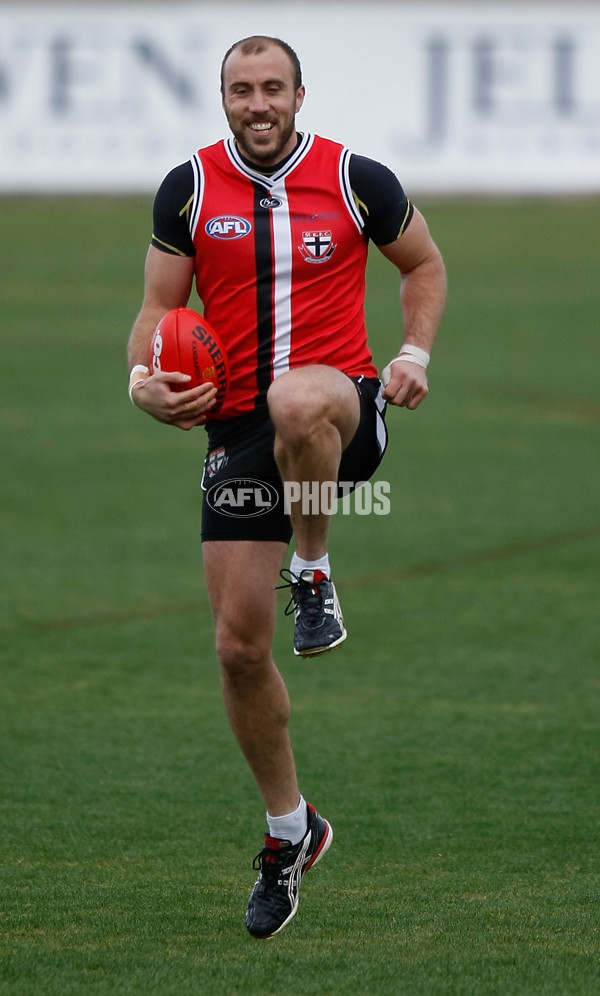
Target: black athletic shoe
{"points": [[274, 899], [319, 624]]}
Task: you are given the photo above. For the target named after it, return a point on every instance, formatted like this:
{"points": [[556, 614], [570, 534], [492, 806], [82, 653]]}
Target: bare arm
{"points": [[168, 283], [423, 297]]}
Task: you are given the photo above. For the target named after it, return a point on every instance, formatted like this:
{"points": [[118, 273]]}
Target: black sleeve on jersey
{"points": [[385, 208], [172, 204]]}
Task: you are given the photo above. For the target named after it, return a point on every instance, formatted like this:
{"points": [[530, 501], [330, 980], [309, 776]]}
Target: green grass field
{"points": [[453, 741]]}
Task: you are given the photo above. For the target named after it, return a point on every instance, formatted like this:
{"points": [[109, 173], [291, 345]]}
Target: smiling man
{"points": [[274, 225], [261, 100]]}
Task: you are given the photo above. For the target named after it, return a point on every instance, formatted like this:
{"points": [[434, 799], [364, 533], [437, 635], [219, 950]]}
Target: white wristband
{"points": [[409, 359], [137, 374], [413, 354]]}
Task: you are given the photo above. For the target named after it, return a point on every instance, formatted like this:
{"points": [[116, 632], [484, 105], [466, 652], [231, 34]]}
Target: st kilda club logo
{"points": [[317, 247], [242, 498]]}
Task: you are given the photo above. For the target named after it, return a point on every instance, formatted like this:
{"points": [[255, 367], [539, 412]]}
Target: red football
{"points": [[184, 341]]}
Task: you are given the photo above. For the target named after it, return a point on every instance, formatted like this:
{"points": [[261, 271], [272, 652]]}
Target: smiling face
{"points": [[260, 101]]}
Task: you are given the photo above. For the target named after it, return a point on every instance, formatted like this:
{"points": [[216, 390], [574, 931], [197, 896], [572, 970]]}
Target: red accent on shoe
{"points": [[273, 844]]}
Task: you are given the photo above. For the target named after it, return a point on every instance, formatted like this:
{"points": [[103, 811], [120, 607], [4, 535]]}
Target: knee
{"points": [[240, 657], [294, 406]]}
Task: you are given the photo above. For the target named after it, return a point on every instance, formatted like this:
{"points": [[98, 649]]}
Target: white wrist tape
{"points": [[137, 374], [408, 354], [413, 354]]}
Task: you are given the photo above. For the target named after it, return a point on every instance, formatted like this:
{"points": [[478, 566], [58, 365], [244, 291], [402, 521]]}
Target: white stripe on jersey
{"points": [[346, 189], [198, 171], [282, 289]]}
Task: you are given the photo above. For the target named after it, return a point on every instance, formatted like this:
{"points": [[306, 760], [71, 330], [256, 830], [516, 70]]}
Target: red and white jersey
{"points": [[280, 264]]}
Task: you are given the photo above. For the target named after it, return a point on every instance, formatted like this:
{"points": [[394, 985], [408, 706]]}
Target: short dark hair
{"points": [[255, 44]]}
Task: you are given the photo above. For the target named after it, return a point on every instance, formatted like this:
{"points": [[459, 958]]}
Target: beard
{"points": [[263, 155]]}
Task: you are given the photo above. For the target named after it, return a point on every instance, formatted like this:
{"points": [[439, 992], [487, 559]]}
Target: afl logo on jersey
{"points": [[227, 226]]}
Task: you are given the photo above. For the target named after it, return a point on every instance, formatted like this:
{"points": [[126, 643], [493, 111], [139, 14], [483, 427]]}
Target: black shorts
{"points": [[243, 496]]}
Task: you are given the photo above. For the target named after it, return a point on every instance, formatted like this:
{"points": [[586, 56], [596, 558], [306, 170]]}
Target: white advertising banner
{"points": [[453, 97]]}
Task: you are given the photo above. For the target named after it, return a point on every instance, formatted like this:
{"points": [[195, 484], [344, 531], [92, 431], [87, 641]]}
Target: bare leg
{"points": [[316, 412], [240, 578]]}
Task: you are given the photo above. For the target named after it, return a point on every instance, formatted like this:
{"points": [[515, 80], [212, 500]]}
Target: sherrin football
{"points": [[184, 341]]}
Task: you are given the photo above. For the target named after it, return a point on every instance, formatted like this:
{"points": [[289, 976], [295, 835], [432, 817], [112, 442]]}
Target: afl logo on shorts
{"points": [[227, 226], [242, 497]]}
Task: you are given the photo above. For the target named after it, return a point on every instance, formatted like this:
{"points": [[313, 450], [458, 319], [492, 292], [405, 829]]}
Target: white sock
{"points": [[291, 826], [298, 564]]}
